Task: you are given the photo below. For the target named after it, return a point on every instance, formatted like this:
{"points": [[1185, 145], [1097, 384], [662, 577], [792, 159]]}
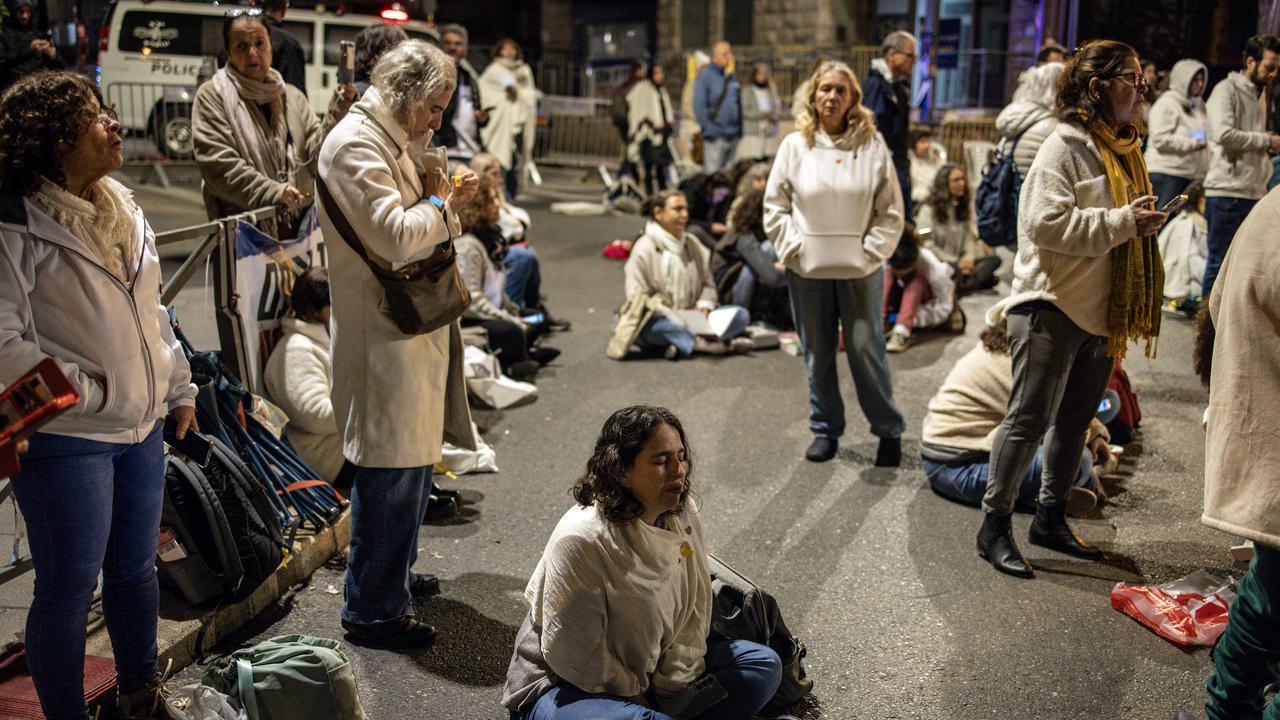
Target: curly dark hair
{"points": [[945, 207], [371, 43], [621, 439], [747, 214], [42, 117], [1101, 59], [310, 294]]}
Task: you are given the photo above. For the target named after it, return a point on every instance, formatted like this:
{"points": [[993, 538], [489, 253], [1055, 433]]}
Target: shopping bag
{"points": [[1191, 612]]}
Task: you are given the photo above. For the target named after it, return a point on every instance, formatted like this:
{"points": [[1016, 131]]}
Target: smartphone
{"points": [[194, 445], [346, 62], [1174, 205], [30, 402], [535, 318]]}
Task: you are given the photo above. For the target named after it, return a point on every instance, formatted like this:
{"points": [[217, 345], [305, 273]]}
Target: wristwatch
{"points": [[435, 200]]}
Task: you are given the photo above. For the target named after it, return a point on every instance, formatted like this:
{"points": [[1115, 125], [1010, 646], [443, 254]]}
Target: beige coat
{"points": [[1242, 455], [396, 397], [231, 183]]}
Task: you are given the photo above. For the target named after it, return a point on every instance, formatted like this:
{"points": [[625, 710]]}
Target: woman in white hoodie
{"points": [[833, 210], [1176, 151], [80, 284]]}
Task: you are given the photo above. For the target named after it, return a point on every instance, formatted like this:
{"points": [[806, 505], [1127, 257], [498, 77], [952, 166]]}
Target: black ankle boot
{"points": [[1050, 530], [996, 546], [889, 453]]}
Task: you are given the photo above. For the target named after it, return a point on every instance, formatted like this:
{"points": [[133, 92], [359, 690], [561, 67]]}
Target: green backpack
{"points": [[293, 676]]}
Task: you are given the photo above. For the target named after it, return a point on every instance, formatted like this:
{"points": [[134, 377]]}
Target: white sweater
{"points": [[1067, 227], [1238, 141], [1175, 124], [299, 378], [619, 608], [833, 214]]}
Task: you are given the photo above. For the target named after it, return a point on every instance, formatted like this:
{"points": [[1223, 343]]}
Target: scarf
{"points": [[1137, 273], [105, 221], [235, 89], [682, 284]]}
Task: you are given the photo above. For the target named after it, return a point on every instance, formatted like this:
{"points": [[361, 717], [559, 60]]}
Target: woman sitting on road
{"points": [[256, 137], [672, 268], [746, 265], [918, 294], [944, 221], [80, 284], [481, 251], [620, 603]]}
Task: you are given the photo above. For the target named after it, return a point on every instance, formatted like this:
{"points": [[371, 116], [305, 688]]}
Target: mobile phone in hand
{"points": [[346, 62], [1174, 205], [194, 445]]}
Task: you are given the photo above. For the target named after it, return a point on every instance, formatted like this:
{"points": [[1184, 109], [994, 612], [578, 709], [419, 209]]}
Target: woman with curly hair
{"points": [[833, 209], [944, 222], [80, 283], [620, 603]]}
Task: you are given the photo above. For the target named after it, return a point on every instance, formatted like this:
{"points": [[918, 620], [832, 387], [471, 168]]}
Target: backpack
{"points": [[222, 539], [292, 676], [996, 200], [1129, 417], [740, 610]]}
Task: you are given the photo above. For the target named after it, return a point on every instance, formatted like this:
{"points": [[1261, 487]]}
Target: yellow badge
{"points": [[686, 550]]}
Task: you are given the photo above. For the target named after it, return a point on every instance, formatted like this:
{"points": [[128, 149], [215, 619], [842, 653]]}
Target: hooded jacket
{"points": [[1238, 141], [1177, 126], [1028, 123], [112, 338]]}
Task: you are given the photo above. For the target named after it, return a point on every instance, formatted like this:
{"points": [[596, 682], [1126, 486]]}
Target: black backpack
{"points": [[227, 540], [996, 200], [740, 610]]}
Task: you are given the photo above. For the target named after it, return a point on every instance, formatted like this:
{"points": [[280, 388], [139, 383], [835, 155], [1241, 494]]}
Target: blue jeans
{"points": [[718, 153], [749, 673], [1166, 187], [1224, 215], [387, 505], [967, 483], [89, 507], [821, 308], [524, 277], [663, 331]]}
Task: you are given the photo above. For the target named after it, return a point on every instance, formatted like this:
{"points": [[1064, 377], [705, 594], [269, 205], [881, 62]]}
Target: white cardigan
{"points": [[833, 214], [619, 607], [298, 377], [1067, 227]]}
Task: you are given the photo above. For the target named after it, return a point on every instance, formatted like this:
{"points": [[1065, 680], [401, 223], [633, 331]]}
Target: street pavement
{"points": [[876, 574]]}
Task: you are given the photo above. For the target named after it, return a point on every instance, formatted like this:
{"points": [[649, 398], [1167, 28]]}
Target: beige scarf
{"points": [[235, 89], [682, 284], [105, 221]]}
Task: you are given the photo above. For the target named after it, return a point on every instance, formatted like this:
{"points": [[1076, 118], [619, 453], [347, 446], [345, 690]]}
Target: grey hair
{"points": [[1039, 85], [455, 29], [409, 73], [896, 40]]}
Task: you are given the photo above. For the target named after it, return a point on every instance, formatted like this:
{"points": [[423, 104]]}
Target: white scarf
{"points": [[235, 89], [105, 221], [682, 282]]}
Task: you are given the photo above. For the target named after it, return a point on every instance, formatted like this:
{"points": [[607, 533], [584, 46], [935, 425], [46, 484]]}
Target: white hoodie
{"points": [[1178, 126], [1238, 141], [833, 214]]}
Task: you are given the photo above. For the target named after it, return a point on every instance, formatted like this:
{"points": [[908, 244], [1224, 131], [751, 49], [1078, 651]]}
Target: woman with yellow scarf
{"points": [[1087, 281]]}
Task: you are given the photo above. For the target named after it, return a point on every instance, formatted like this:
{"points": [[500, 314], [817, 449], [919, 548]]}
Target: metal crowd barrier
{"points": [[953, 133], [156, 122], [576, 132]]}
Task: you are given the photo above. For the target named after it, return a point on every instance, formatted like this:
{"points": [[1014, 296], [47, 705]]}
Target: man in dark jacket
{"points": [[718, 109], [887, 93], [465, 114], [23, 48], [286, 52]]}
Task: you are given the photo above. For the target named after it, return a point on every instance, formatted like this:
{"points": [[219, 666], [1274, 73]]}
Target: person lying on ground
{"points": [[620, 603], [918, 293]]}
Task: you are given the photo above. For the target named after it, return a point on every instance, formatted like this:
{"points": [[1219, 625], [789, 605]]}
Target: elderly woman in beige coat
{"points": [[1242, 459], [256, 138], [396, 397]]}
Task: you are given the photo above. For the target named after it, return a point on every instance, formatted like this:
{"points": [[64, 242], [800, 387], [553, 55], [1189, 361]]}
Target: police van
{"points": [[152, 55]]}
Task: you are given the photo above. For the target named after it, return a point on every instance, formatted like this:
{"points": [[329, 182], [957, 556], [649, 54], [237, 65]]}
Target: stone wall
{"points": [[778, 23]]}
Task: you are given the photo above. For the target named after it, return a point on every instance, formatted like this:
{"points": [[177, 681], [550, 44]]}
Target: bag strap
{"points": [[345, 230], [244, 688], [724, 92]]}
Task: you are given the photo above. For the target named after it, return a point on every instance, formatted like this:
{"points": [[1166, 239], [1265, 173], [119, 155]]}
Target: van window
{"points": [[170, 33], [334, 34], [303, 31]]}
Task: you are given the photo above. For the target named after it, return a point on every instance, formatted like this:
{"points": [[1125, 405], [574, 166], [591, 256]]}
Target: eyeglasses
{"points": [[1135, 79], [107, 117], [236, 12]]}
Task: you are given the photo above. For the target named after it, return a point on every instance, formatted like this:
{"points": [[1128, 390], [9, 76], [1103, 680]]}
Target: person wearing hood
{"points": [[256, 137], [1029, 119], [397, 397], [23, 48], [1238, 145], [511, 103], [833, 211], [1177, 153], [887, 94]]}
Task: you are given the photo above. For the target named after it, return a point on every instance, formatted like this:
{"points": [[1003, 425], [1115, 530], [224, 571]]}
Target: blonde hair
{"points": [[861, 124]]}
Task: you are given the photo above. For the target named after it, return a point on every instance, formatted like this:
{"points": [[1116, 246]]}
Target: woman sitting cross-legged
{"points": [[746, 267], [481, 251], [671, 264], [620, 603]]}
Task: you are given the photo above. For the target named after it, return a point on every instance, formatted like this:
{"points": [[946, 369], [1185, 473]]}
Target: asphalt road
{"points": [[876, 574]]}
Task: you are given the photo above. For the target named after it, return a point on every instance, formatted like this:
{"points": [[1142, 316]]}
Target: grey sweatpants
{"points": [[1060, 373]]}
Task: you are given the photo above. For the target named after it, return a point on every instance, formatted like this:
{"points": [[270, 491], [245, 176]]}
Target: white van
{"points": [[151, 53]]}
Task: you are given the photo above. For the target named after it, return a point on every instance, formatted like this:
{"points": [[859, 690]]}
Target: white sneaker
{"points": [[898, 341]]}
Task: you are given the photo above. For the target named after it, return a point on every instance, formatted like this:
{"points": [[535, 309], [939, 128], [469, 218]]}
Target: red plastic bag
{"points": [[618, 250], [1189, 612]]}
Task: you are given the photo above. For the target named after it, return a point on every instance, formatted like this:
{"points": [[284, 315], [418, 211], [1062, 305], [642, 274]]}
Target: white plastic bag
{"points": [[486, 381], [201, 702], [461, 461]]}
